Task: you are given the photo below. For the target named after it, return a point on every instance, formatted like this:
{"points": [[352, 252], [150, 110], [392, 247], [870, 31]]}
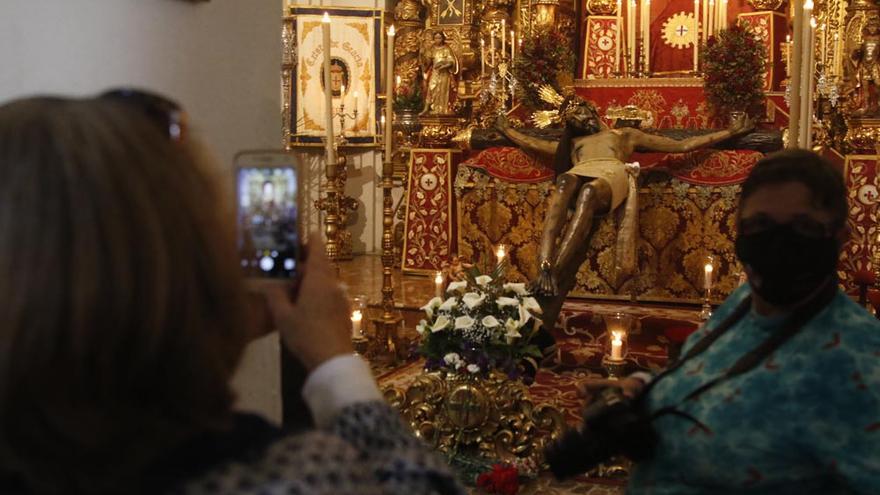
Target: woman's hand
{"points": [[631, 387], [316, 327]]}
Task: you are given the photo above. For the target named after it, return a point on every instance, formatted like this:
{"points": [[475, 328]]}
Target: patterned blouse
{"points": [[367, 450], [805, 421]]}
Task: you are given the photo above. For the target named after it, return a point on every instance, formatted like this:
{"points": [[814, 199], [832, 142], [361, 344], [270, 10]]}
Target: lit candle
{"points": [[794, 119], [696, 34], [631, 34], [808, 83], [704, 31], [707, 277], [711, 17], [647, 37], [835, 62], [396, 81], [356, 319], [389, 115], [328, 91], [503, 38], [482, 56], [438, 284], [513, 45], [500, 253], [492, 47], [618, 38], [616, 346], [355, 100]]}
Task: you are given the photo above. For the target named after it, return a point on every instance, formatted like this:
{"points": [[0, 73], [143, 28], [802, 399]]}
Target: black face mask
{"points": [[788, 265]]}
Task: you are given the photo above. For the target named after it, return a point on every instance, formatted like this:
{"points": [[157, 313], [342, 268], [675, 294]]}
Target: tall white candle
{"points": [[616, 346], [438, 284], [618, 38], [328, 92], [647, 35], [503, 38], [704, 31], [696, 34], [707, 276], [389, 90], [631, 34], [513, 46], [482, 56], [808, 78], [711, 18], [794, 119], [492, 47], [500, 253], [356, 321]]}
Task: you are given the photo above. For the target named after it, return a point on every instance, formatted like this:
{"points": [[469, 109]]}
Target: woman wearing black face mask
{"points": [[779, 393]]}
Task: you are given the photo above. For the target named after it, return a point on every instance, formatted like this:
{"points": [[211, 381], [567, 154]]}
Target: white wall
{"points": [[219, 59]]}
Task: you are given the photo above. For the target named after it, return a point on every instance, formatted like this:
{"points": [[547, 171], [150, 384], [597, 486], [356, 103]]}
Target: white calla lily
{"points": [[473, 368], [490, 322], [459, 286], [472, 299], [506, 301], [464, 322], [483, 280], [517, 288], [448, 304], [431, 306], [524, 316], [531, 304], [511, 333], [422, 327], [441, 323]]}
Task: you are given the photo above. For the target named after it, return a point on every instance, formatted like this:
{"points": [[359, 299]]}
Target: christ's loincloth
{"points": [[609, 170], [621, 178]]}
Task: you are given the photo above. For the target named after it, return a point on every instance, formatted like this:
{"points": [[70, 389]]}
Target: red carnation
{"points": [[502, 479]]}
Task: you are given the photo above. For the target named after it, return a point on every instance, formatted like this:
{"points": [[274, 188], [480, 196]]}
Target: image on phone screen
{"points": [[267, 221]]}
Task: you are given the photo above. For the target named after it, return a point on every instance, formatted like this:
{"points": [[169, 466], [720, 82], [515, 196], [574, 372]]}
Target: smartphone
{"points": [[268, 205]]}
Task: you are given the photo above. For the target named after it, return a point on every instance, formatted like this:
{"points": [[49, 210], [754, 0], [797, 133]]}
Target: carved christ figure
{"points": [[592, 179]]}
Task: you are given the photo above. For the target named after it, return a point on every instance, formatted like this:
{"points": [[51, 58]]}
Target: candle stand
{"points": [[706, 311]]}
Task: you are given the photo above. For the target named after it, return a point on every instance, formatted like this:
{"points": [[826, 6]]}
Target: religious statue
{"points": [[440, 67], [592, 178], [865, 84]]}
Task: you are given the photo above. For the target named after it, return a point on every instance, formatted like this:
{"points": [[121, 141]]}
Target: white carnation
{"points": [[452, 359], [473, 368]]}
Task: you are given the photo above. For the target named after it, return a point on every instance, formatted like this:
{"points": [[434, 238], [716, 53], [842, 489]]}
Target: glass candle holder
{"points": [[618, 326]]}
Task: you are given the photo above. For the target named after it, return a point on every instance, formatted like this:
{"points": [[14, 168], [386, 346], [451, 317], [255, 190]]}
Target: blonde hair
{"points": [[120, 295]]}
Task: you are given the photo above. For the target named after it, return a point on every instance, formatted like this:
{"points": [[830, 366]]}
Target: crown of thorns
{"points": [[565, 106]]}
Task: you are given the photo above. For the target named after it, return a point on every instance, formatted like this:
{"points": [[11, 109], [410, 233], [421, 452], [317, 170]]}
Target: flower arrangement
{"points": [[483, 324], [545, 58], [733, 71], [408, 97], [502, 479]]}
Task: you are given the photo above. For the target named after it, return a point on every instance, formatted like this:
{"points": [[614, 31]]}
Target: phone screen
{"points": [[268, 217]]}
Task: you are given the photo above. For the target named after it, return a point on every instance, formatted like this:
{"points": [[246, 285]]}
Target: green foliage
{"points": [[733, 71], [545, 58]]}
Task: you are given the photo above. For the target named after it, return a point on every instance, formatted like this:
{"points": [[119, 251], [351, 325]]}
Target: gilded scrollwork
{"points": [[492, 416]]}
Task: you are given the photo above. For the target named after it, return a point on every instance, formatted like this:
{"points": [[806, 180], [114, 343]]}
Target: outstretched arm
{"points": [[659, 143], [542, 146]]}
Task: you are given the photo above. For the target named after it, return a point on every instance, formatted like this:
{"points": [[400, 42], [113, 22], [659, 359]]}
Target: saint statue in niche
{"points": [[593, 178], [865, 86], [440, 67]]}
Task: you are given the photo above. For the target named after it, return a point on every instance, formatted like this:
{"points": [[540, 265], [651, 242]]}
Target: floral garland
{"points": [[733, 71], [545, 58], [484, 324]]}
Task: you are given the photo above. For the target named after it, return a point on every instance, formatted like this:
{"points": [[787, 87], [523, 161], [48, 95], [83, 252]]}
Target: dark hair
{"points": [[120, 295], [821, 177], [562, 159]]}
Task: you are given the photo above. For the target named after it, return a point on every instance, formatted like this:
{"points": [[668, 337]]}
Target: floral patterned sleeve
{"points": [[399, 461]]}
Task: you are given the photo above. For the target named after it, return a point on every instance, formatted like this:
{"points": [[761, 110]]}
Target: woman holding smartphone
{"points": [[124, 317]]}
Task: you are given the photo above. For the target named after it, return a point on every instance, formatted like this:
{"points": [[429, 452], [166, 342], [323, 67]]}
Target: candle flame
{"points": [[500, 252], [813, 22], [708, 268], [382, 119], [808, 5], [391, 30], [438, 279], [326, 18], [397, 80], [356, 315]]}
